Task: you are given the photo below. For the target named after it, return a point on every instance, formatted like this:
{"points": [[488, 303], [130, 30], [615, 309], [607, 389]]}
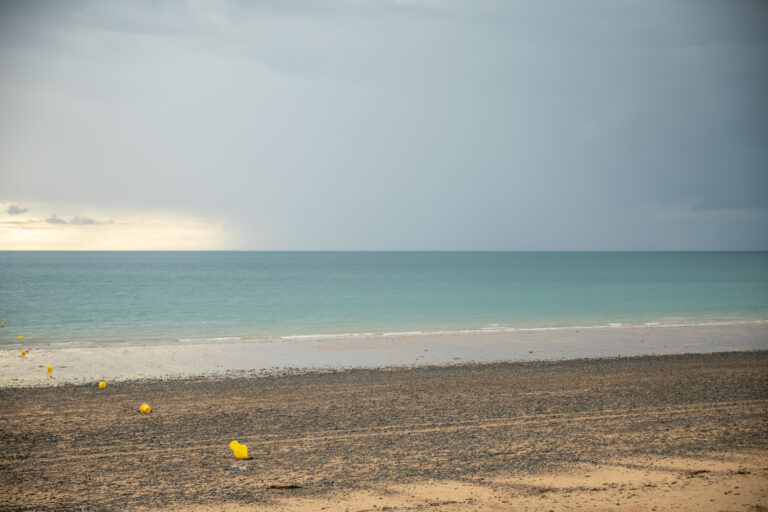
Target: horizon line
{"points": [[395, 250]]}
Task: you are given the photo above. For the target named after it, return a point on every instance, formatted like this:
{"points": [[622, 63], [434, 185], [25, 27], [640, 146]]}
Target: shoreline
{"points": [[298, 372], [117, 362], [372, 334], [671, 432]]}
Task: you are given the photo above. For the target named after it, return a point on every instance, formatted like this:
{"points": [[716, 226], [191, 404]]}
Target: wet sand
{"points": [[680, 432], [121, 361]]}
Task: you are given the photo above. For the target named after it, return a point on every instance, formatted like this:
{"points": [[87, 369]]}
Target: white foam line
{"points": [[224, 338], [405, 334], [484, 330]]}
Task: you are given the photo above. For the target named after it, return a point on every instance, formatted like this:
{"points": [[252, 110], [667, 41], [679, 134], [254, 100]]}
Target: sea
{"points": [[154, 297]]}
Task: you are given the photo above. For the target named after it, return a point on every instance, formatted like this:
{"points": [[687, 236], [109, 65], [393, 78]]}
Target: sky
{"points": [[384, 125]]}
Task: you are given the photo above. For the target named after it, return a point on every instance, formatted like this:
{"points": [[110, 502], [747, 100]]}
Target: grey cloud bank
{"points": [[54, 219], [16, 210], [398, 125], [76, 220], [86, 221]]}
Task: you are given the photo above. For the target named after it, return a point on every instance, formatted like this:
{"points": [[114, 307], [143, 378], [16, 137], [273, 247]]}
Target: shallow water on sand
{"points": [[127, 361]]}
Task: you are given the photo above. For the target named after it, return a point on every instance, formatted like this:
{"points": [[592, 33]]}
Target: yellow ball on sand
{"points": [[48, 368], [19, 337], [145, 408], [102, 385], [240, 451], [23, 353]]}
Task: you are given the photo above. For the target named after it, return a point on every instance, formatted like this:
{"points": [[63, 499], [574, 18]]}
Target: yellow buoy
{"points": [[19, 337], [102, 385], [145, 408], [239, 450], [23, 353], [48, 368], [2, 324]]}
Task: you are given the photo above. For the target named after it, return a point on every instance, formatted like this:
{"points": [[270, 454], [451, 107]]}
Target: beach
{"points": [[672, 432], [396, 255]]}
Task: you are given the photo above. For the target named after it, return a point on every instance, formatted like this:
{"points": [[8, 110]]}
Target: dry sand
{"points": [[732, 482], [685, 432]]}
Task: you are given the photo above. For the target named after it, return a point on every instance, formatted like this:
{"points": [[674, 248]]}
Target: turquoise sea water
{"points": [[53, 297]]}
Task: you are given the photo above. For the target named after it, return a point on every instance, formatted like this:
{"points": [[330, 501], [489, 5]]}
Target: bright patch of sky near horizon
{"points": [[488, 125]]}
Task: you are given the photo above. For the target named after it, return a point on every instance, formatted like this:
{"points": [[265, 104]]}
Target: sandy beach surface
{"points": [[677, 432]]}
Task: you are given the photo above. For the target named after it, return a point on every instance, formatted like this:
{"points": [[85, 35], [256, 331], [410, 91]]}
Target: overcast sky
{"points": [[472, 125]]}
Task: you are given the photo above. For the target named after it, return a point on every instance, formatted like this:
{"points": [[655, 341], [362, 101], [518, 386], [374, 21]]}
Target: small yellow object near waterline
{"points": [[102, 385], [23, 353], [48, 368], [145, 408], [2, 324], [19, 337], [239, 450]]}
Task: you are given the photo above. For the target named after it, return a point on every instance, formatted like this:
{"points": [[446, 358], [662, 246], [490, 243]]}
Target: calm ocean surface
{"points": [[53, 297]]}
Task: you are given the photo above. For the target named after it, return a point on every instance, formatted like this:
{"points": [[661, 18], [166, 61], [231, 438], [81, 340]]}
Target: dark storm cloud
{"points": [[398, 125]]}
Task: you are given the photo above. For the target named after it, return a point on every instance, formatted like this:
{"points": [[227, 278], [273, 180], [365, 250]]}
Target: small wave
{"points": [[222, 338], [488, 329], [328, 336], [502, 329]]}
